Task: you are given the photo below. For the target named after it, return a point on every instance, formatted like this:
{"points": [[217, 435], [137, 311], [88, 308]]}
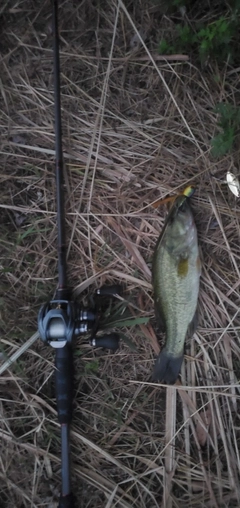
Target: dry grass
{"points": [[134, 129]]}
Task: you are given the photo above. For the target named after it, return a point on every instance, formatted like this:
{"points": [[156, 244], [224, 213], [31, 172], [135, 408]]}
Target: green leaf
{"points": [[6, 270], [122, 322], [92, 367], [163, 47], [223, 142], [127, 341]]}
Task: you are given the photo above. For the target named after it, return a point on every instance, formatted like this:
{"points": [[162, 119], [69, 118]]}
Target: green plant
{"points": [[116, 314], [165, 48], [179, 3], [92, 367], [32, 229], [229, 123], [216, 40]]}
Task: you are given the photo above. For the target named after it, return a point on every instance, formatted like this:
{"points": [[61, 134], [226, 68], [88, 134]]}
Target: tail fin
{"points": [[167, 367]]}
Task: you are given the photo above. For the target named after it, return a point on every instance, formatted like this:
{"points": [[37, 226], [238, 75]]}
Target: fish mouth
{"points": [[181, 204], [184, 206]]}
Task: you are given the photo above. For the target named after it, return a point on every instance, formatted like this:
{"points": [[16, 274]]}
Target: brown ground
{"points": [[135, 128]]}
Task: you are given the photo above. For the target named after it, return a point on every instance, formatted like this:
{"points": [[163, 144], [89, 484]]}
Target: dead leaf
{"points": [[135, 41], [202, 433], [132, 249], [150, 334]]}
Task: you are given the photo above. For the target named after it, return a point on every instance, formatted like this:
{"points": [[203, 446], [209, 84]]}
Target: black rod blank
{"points": [[62, 265], [63, 359]]}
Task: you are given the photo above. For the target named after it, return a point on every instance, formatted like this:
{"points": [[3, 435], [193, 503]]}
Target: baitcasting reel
{"points": [[59, 321]]}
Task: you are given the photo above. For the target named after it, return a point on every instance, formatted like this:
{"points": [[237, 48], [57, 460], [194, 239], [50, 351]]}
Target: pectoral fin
{"points": [[183, 267]]}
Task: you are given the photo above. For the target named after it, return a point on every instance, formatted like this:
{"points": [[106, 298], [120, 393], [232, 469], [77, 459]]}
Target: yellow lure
{"points": [[188, 192]]}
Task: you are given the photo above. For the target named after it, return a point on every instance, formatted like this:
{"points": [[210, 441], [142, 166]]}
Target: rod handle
{"points": [[64, 384], [66, 501]]}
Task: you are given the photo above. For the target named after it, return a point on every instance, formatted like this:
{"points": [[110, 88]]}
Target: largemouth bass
{"points": [[175, 276]]}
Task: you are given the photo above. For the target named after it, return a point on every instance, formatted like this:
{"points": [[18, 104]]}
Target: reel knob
{"points": [[114, 290], [108, 341]]}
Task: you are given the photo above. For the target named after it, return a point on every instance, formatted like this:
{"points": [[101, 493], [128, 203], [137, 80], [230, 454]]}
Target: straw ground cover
{"points": [[136, 127]]}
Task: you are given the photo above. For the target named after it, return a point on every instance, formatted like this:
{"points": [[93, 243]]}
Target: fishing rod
{"points": [[62, 319]]}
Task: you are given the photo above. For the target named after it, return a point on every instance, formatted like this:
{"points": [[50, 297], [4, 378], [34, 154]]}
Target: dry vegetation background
{"points": [[135, 128]]}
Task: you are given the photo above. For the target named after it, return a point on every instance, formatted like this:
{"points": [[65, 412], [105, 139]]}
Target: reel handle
{"points": [[113, 290], [108, 341]]}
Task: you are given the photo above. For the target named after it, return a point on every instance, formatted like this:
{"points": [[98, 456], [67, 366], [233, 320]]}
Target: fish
{"points": [[176, 270]]}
